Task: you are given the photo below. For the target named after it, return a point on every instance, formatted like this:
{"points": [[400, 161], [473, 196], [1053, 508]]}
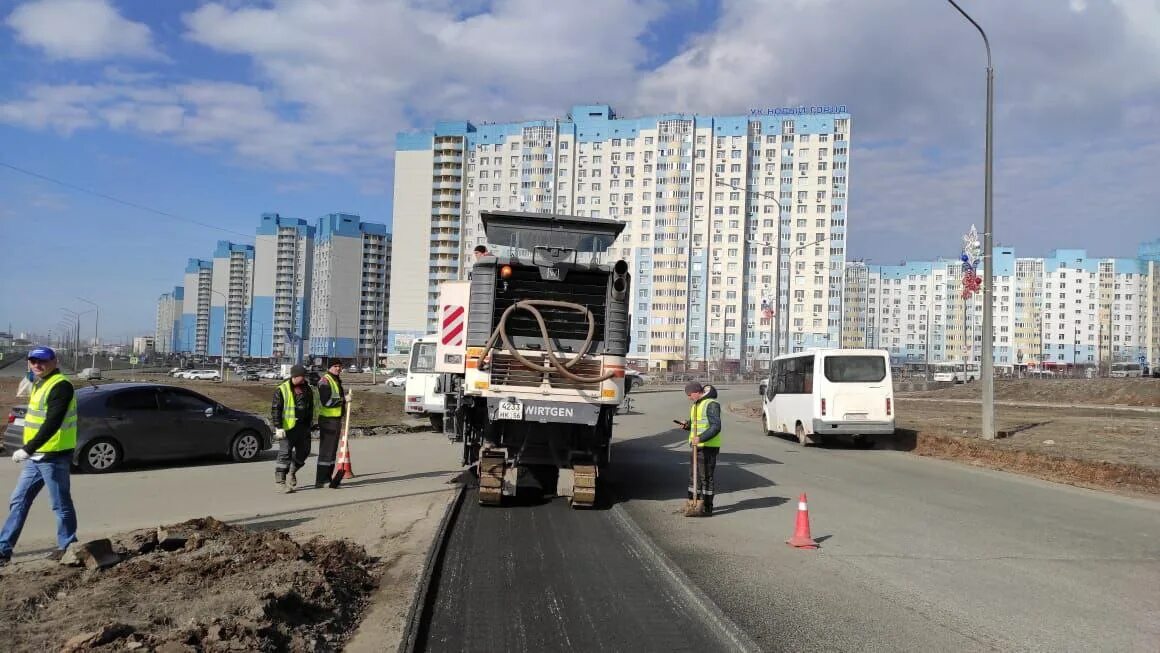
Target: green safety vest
{"points": [[699, 423], [65, 437], [334, 411], [289, 418]]}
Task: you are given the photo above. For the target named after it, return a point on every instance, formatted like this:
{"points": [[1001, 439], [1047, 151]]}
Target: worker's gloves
{"points": [[19, 456], [279, 434], [348, 396], [684, 426]]}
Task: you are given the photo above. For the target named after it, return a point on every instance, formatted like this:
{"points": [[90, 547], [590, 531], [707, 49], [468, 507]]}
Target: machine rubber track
{"points": [[584, 485], [491, 473]]}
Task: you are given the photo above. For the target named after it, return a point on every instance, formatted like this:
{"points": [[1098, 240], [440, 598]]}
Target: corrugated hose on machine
{"points": [[563, 367]]}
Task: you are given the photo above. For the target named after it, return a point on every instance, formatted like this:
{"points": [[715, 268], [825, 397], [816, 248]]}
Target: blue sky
{"points": [[220, 111]]}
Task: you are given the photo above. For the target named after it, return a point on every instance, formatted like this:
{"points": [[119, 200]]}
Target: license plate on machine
{"points": [[856, 416], [513, 410]]}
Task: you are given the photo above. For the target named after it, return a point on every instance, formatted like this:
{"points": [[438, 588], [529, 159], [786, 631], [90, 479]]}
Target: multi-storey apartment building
{"points": [[283, 263], [1053, 311], [699, 196], [231, 299], [167, 333], [351, 279], [195, 308], [1149, 256]]}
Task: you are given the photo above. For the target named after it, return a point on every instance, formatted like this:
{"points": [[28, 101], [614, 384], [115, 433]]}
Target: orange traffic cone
{"points": [[801, 532], [343, 469]]}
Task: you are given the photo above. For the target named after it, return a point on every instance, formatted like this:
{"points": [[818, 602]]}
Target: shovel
{"points": [[695, 507]]}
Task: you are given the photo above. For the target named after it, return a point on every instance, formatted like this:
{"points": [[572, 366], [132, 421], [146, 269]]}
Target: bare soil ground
{"points": [[1107, 392], [369, 408], [225, 589], [1099, 448]]}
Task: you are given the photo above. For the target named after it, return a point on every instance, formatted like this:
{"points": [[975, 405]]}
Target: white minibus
{"points": [[826, 392], [421, 394]]}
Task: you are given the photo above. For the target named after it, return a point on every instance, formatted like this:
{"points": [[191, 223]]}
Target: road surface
{"points": [[544, 577], [918, 554]]}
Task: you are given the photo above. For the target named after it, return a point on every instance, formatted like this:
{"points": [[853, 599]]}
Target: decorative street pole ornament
{"points": [[972, 250], [766, 309]]}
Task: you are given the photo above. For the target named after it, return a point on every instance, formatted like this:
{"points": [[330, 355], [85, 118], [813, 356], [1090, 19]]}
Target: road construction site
{"points": [[915, 554]]}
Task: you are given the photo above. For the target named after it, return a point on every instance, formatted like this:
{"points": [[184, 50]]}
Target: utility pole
{"points": [[987, 369], [96, 327]]}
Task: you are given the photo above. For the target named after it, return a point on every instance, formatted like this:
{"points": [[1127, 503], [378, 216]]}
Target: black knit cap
{"points": [[693, 386], [297, 370]]}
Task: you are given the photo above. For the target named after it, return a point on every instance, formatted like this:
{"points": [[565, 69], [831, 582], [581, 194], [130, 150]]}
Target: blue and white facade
{"points": [[1063, 310], [699, 198], [167, 334], [283, 266], [351, 276], [195, 307], [231, 297]]}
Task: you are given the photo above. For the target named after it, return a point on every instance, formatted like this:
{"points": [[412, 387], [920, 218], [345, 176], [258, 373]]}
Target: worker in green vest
{"points": [[50, 436], [333, 402], [293, 413], [704, 428]]}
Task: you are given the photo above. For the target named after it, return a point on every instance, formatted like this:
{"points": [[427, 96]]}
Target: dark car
{"points": [[117, 422], [251, 375]]}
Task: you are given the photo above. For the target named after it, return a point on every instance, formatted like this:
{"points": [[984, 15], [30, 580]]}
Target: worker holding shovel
{"points": [[704, 427]]}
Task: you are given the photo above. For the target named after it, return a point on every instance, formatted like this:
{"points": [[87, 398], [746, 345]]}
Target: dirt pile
{"points": [[201, 585], [1061, 469]]}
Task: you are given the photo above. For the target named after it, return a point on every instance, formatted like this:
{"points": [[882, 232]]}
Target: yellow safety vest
{"points": [[289, 418], [65, 437], [699, 423], [334, 411]]}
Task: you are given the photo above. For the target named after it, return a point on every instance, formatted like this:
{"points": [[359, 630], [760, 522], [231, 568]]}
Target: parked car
{"points": [[205, 375], [367, 369], [118, 422], [251, 375], [353, 369], [89, 373], [396, 381]]}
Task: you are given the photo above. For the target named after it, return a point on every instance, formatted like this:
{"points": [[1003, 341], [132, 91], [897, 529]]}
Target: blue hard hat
{"points": [[42, 353]]}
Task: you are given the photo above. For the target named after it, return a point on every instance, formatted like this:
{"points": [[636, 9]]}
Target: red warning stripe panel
{"points": [[451, 337], [454, 318], [451, 314]]}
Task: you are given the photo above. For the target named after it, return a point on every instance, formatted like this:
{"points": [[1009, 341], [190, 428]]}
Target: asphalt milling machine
{"points": [[531, 355]]}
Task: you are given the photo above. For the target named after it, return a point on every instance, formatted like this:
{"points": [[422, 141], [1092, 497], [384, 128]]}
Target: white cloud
{"points": [[86, 30]]}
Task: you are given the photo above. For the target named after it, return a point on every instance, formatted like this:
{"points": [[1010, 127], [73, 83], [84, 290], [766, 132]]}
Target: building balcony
{"points": [[447, 185], [448, 158], [445, 210]]}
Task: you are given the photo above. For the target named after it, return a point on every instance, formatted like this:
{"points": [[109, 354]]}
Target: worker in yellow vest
{"points": [[293, 413], [704, 427], [50, 436], [333, 402]]}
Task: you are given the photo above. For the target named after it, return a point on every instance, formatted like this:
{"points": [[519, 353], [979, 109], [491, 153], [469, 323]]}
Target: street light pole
{"points": [[789, 284], [987, 370], [96, 327], [775, 345], [209, 327]]}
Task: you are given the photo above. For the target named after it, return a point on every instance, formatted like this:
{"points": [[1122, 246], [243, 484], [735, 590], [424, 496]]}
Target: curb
{"points": [[420, 592], [726, 628]]}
